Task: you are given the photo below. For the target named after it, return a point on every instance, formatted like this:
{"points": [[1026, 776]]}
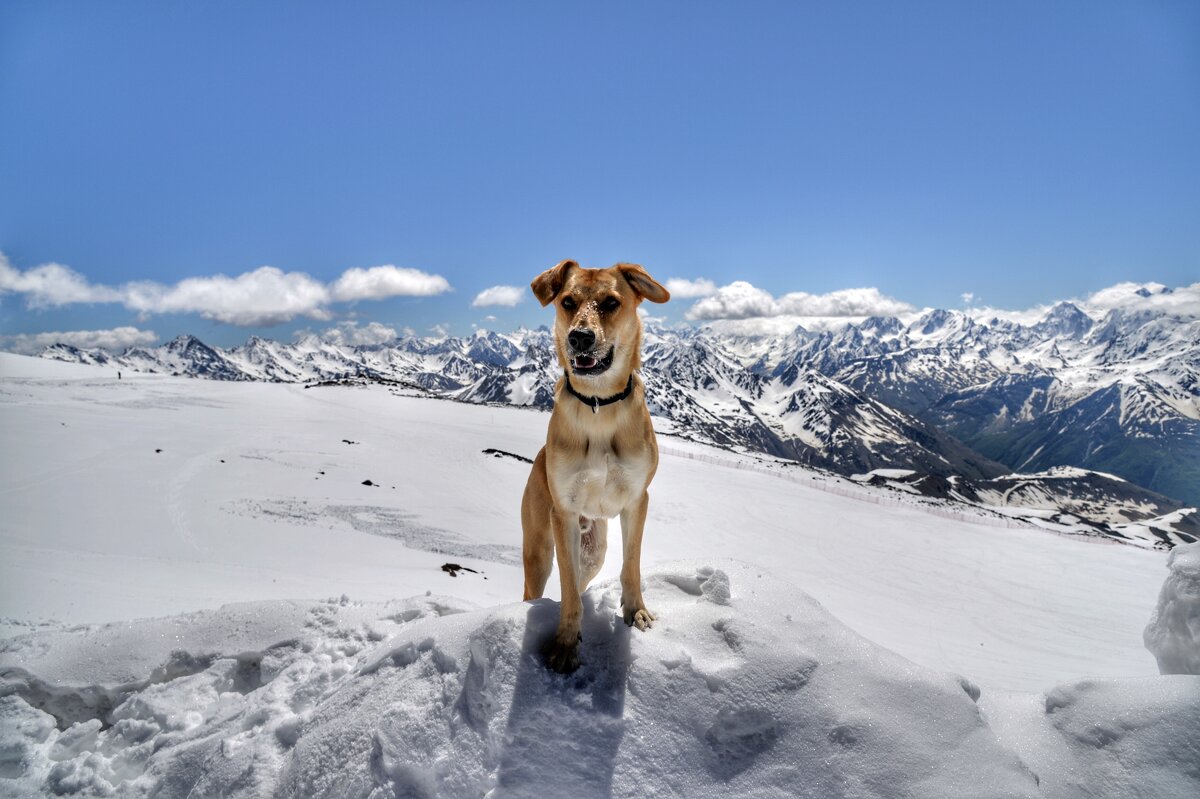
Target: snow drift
{"points": [[745, 687], [1173, 634]]}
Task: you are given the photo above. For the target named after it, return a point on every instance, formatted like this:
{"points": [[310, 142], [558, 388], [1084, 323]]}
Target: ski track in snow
{"points": [[382, 521]]}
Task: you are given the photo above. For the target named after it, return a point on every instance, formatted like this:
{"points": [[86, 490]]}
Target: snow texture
{"points": [[833, 674], [1118, 739], [745, 687], [1173, 634]]}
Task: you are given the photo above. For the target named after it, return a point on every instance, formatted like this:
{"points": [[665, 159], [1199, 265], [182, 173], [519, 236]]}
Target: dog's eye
{"points": [[611, 304], [568, 304]]}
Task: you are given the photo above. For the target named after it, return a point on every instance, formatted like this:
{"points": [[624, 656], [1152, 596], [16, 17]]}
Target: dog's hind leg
{"points": [[593, 544], [538, 539]]}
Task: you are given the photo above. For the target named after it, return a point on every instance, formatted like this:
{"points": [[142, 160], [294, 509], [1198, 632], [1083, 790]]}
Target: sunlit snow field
{"points": [[255, 494]]}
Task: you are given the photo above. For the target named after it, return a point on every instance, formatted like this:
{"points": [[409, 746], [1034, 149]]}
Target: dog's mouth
{"points": [[586, 363]]}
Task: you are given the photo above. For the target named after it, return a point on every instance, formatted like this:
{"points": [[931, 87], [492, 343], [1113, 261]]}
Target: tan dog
{"points": [[600, 452]]}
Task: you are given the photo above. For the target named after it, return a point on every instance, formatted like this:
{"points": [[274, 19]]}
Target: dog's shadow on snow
{"points": [[563, 732]]}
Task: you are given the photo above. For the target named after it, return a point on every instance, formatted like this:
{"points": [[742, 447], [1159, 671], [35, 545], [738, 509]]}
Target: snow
{"points": [[1118, 738], [745, 687], [809, 649], [23, 367], [1173, 634], [893, 474]]}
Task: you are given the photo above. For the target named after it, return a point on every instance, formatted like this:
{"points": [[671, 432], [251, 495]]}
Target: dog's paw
{"points": [[640, 618], [562, 657]]}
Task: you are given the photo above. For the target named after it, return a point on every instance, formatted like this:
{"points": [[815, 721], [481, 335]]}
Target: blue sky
{"points": [[1019, 152]]}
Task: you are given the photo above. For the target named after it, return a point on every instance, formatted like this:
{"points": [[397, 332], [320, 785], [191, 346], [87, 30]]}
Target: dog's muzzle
{"points": [[586, 363], [581, 345]]}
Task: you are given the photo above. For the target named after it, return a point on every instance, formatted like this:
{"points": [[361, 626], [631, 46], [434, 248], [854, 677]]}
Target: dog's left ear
{"points": [[547, 285], [642, 284]]}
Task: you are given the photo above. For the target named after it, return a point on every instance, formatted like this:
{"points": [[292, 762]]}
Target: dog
{"points": [[600, 452]]}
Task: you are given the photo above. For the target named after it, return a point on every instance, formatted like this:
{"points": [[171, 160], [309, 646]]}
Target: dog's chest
{"points": [[601, 482]]}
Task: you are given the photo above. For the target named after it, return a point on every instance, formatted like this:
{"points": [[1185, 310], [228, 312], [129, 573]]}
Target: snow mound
{"points": [[1137, 737], [1173, 634], [744, 687], [1107, 739]]}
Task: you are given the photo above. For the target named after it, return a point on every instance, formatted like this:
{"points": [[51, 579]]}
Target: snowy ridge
{"points": [[1063, 499]]}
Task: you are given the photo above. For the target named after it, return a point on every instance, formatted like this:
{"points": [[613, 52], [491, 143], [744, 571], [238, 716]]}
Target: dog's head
{"points": [[597, 331]]}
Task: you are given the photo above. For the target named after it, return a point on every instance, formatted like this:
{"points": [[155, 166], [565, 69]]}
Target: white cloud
{"points": [[499, 295], [263, 297], [783, 325], [51, 285], [1029, 316], [1183, 301], [682, 288], [114, 340], [266, 296], [741, 300], [968, 298], [440, 330], [738, 300], [380, 282], [352, 334]]}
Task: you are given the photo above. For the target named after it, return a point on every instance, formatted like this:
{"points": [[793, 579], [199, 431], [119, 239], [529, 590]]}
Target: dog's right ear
{"points": [[547, 285]]}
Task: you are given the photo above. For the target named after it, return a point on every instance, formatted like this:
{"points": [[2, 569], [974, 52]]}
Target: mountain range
{"points": [[946, 395]]}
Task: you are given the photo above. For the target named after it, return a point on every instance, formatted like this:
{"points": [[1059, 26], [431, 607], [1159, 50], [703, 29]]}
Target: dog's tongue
{"points": [[584, 362]]}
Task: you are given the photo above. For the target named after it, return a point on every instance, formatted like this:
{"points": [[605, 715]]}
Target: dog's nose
{"points": [[581, 339]]}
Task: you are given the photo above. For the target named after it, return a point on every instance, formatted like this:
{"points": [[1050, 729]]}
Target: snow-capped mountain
{"points": [[946, 394]]}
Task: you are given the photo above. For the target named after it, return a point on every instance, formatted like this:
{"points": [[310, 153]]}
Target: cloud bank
{"points": [[350, 333], [115, 340], [50, 285], [745, 309], [741, 300], [1130, 297], [1182, 301], [264, 297], [507, 296]]}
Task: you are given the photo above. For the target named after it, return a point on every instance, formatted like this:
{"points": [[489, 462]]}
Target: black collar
{"points": [[595, 402]]}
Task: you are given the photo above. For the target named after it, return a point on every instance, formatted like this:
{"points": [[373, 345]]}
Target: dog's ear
{"points": [[643, 285], [547, 285]]}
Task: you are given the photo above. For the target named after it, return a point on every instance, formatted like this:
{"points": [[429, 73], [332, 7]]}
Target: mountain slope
{"points": [[1133, 429]]}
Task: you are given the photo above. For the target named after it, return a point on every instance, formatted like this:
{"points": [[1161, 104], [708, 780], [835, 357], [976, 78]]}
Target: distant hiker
{"points": [[118, 374]]}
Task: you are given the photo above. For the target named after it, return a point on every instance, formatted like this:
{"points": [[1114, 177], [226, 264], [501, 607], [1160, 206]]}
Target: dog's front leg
{"points": [[633, 606], [562, 652]]}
